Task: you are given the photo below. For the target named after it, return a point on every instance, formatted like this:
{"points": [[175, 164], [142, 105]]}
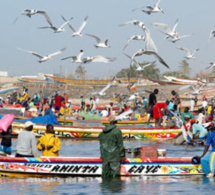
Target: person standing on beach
{"points": [[176, 101], [58, 101], [152, 102]]}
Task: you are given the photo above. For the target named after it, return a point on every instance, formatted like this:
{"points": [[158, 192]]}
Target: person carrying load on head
{"points": [[208, 161], [111, 148], [49, 143]]}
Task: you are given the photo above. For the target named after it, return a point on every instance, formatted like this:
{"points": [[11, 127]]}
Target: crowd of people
{"points": [[198, 125]]}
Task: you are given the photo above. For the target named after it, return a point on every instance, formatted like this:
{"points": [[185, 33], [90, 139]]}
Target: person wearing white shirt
{"points": [[192, 104], [201, 116]]}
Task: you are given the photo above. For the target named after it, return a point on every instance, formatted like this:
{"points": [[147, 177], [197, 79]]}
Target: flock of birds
{"points": [[150, 47], [75, 59]]}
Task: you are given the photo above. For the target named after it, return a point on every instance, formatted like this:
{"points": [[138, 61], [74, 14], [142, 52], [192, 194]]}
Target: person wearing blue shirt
{"points": [[199, 132], [49, 110], [208, 161]]}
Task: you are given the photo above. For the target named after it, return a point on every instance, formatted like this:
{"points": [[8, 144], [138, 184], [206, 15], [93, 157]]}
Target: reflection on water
{"points": [[112, 185], [124, 185]]}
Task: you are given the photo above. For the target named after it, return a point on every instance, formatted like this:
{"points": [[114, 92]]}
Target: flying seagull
{"points": [[135, 95], [51, 26], [77, 32], [101, 93], [135, 22], [177, 38], [149, 41], [151, 9], [99, 42], [188, 54], [143, 51], [212, 65], [169, 32], [212, 34], [139, 68], [29, 13], [75, 59], [98, 59], [134, 37], [46, 57], [124, 115]]}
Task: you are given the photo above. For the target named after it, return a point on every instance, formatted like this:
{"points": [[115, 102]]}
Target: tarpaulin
{"points": [[45, 120]]}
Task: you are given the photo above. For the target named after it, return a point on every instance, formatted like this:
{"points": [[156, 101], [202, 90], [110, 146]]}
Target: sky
{"points": [[195, 17]]}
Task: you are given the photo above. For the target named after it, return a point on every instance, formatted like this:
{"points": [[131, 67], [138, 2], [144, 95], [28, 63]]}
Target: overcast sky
{"points": [[195, 17]]}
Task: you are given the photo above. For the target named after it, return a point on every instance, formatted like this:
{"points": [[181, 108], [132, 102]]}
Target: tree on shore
{"points": [[184, 68], [80, 72]]}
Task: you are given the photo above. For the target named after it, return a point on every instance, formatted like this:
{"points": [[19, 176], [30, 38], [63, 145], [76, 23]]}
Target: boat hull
{"points": [[92, 167], [93, 132]]}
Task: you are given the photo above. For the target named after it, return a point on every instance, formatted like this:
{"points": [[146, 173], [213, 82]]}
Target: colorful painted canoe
{"points": [[93, 132], [103, 121], [5, 90], [85, 167]]}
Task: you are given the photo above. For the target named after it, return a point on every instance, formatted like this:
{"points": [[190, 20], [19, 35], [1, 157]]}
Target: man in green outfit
{"points": [[186, 113], [111, 148]]}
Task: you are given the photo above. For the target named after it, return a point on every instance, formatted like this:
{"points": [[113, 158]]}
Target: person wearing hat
{"points": [[26, 142], [186, 112], [208, 161], [111, 148]]}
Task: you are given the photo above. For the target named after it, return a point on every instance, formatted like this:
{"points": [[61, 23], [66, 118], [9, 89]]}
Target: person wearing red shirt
{"points": [[58, 101], [157, 112]]}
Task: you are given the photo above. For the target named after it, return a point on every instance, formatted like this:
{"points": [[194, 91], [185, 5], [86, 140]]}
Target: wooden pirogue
{"points": [[69, 166], [93, 132]]}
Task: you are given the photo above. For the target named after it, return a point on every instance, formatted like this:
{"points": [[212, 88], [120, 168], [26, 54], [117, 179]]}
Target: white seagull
{"points": [[75, 59], [143, 51], [29, 13], [135, 95], [212, 34], [99, 42], [135, 22], [195, 91], [169, 32], [149, 41], [151, 9], [139, 68], [134, 37], [102, 92], [98, 59], [51, 26], [212, 65], [46, 57], [78, 32], [177, 38], [124, 115], [188, 54]]}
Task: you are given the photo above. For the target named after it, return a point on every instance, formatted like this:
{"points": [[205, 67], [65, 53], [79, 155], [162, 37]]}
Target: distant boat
{"points": [[5, 90]]}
